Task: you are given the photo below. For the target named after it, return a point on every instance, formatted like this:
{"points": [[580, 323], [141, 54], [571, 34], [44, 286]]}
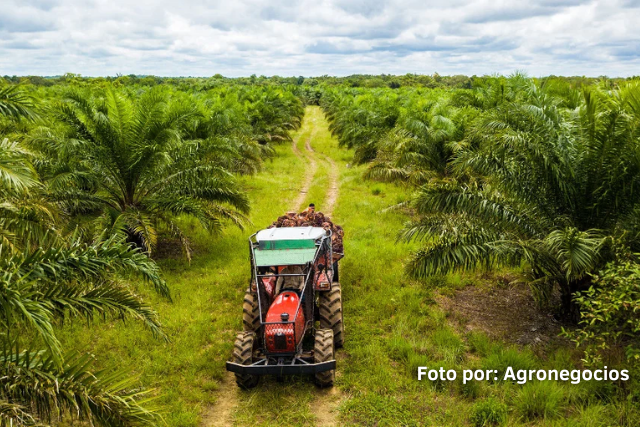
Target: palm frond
{"points": [[52, 392], [15, 103], [17, 175]]}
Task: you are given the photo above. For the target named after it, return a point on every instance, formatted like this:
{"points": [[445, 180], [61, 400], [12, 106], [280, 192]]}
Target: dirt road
{"points": [[317, 407]]}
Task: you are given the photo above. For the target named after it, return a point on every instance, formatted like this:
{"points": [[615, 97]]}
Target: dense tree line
{"points": [[90, 174], [431, 81]]}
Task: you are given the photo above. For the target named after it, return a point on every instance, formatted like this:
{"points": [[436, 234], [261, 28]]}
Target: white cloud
{"points": [[315, 37]]}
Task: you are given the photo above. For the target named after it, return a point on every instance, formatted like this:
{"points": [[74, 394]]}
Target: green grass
{"points": [[542, 399], [393, 324], [490, 412]]}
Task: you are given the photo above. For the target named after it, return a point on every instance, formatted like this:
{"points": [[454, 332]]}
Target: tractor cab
{"points": [[287, 256]]}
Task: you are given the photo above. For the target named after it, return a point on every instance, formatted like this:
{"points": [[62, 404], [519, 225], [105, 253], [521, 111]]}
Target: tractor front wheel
{"points": [[330, 310], [243, 355], [323, 351], [250, 312]]}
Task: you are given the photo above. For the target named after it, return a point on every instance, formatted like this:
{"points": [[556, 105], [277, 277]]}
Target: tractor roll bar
{"points": [[325, 240]]}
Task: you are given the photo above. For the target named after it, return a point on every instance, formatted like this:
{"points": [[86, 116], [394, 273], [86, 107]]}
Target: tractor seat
{"points": [[293, 283]]}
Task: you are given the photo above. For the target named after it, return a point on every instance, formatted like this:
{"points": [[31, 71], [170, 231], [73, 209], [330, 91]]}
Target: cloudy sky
{"points": [[316, 37]]}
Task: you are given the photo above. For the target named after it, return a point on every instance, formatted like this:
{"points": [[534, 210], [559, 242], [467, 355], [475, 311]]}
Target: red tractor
{"points": [[292, 312]]}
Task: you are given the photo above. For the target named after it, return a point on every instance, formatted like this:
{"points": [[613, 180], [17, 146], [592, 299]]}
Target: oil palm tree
{"points": [[555, 188], [272, 113], [28, 218], [423, 142], [362, 120], [223, 120], [45, 277], [126, 163]]}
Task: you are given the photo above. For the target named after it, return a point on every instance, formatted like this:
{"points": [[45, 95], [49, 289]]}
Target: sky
{"points": [[318, 37]]}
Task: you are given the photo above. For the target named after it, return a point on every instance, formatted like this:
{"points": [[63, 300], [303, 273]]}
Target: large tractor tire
{"points": [[243, 355], [250, 312], [323, 351], [330, 311]]}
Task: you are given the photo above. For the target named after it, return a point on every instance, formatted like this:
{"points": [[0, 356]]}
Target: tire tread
{"points": [[330, 309], [323, 351], [243, 355]]}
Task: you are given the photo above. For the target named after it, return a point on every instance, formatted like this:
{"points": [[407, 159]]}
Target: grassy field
{"points": [[393, 325]]}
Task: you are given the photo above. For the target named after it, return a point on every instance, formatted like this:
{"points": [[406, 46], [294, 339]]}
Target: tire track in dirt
{"points": [[333, 175], [332, 191], [325, 403], [294, 147], [220, 414], [297, 203], [324, 407]]}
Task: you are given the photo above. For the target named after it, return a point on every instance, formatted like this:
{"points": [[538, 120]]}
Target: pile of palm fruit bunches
{"points": [[310, 218]]}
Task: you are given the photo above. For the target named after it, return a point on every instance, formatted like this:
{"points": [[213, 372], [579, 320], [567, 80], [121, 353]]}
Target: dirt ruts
{"points": [[332, 191], [221, 413], [297, 203], [333, 174]]}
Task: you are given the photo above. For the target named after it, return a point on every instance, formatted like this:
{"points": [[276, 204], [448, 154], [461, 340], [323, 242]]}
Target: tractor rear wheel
{"points": [[323, 351], [243, 355], [250, 312], [330, 308]]}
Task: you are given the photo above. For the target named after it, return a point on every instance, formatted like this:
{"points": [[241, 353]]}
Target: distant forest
{"points": [[458, 81]]}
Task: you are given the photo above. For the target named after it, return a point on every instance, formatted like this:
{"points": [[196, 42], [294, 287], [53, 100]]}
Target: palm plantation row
{"points": [[515, 172], [96, 175]]}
